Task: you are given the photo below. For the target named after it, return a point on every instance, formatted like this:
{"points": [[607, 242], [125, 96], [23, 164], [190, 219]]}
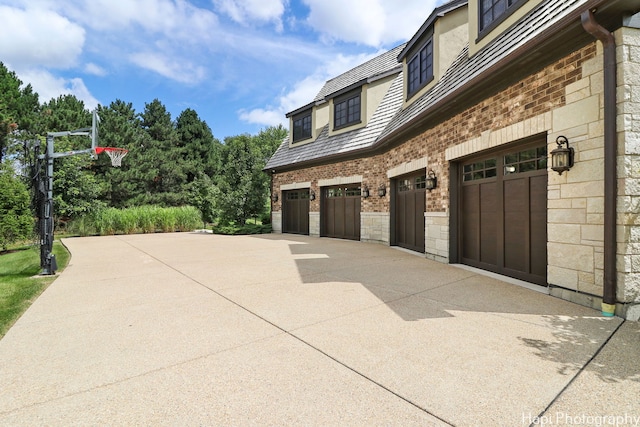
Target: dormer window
{"points": [[302, 126], [492, 12], [347, 110], [420, 68]]}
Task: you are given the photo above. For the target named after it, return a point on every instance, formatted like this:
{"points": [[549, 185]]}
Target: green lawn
{"points": [[18, 286]]}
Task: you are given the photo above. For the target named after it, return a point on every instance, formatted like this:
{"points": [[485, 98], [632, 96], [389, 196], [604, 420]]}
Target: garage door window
{"points": [[479, 170], [344, 192], [417, 183], [297, 195], [526, 161]]}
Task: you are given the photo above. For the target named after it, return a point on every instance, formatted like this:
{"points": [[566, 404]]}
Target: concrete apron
{"points": [[196, 329]]}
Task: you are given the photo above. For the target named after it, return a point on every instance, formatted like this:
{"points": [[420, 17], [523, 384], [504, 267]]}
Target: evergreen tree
{"points": [[120, 127], [200, 150], [18, 111], [160, 166], [66, 113]]}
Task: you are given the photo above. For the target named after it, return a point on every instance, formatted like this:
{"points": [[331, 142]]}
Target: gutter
{"points": [[610, 159]]}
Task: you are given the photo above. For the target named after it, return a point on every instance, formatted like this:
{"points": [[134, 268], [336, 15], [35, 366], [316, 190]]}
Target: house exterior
{"points": [[445, 146]]}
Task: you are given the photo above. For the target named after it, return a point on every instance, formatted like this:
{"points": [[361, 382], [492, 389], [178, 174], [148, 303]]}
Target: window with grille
{"points": [[492, 12], [302, 127], [420, 68], [346, 110]]}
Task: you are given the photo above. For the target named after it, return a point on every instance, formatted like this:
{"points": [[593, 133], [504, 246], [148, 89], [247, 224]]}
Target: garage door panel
{"points": [[516, 232], [488, 223], [352, 217], [471, 222], [420, 204], [539, 226], [410, 203], [401, 212], [339, 218], [503, 212]]}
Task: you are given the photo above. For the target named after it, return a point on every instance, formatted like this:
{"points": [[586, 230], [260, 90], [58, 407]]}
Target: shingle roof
{"points": [[326, 145], [379, 65], [458, 78]]}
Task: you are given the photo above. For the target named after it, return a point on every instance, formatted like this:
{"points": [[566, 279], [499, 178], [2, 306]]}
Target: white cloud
{"points": [[370, 22], [248, 11], [38, 37], [174, 18], [174, 69], [77, 87], [261, 116], [48, 86], [96, 70]]}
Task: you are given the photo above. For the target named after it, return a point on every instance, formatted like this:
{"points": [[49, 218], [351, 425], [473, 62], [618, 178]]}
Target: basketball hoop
{"points": [[116, 154]]}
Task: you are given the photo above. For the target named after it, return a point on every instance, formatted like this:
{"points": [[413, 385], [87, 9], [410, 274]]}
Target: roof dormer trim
{"points": [[428, 25]]}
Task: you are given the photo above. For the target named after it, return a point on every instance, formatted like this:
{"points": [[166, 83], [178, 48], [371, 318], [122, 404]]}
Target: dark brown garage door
{"points": [[503, 212], [295, 212], [410, 201], [341, 212]]}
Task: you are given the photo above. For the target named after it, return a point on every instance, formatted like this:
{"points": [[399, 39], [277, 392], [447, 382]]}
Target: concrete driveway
{"points": [[197, 329]]}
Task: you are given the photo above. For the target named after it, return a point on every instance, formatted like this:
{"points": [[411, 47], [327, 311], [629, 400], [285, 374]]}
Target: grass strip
{"points": [[19, 283]]}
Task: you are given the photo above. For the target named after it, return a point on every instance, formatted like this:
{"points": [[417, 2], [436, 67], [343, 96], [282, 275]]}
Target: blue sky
{"points": [[241, 64]]}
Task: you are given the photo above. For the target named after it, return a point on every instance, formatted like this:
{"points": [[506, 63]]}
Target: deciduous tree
{"points": [[16, 221]]}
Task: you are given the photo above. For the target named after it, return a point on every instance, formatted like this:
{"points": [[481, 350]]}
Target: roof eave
{"points": [[301, 109]]}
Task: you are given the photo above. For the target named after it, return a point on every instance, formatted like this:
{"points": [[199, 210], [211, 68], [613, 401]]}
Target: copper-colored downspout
{"points": [[610, 158]]}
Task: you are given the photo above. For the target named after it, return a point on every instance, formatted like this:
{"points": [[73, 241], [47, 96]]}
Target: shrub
{"points": [[232, 229], [143, 219], [16, 221]]}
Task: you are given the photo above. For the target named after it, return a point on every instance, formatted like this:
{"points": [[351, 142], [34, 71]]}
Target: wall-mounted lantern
{"points": [[562, 157], [382, 190], [431, 181], [274, 197], [312, 195], [365, 191]]}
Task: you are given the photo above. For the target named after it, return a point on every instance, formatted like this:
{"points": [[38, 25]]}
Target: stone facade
{"points": [[628, 126], [374, 227]]}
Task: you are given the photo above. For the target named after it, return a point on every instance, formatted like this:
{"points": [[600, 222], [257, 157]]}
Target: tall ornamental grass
{"points": [[143, 219]]}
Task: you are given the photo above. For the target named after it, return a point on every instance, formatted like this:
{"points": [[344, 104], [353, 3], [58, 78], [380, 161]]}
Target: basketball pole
{"points": [[45, 220]]}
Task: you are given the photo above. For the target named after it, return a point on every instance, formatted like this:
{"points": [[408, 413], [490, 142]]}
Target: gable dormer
{"points": [[434, 47], [301, 124], [490, 18], [346, 102]]}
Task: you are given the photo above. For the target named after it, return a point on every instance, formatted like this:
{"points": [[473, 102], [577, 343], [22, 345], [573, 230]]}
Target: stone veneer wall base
{"points": [[314, 224], [276, 222]]}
